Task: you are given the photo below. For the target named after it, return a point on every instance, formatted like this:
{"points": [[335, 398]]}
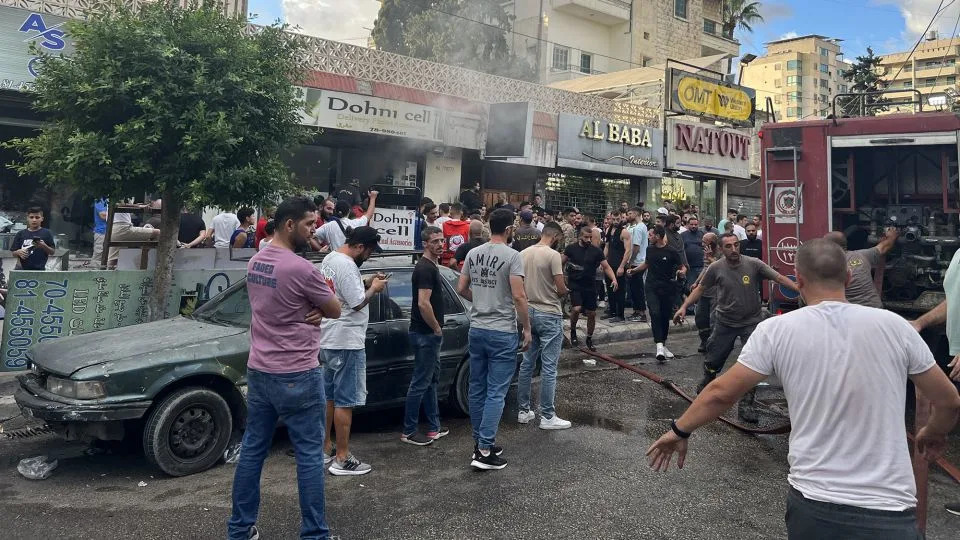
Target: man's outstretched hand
{"points": [[661, 452]]}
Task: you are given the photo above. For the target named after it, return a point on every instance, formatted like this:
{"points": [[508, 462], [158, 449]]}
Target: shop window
{"points": [[561, 57], [681, 192], [680, 8]]}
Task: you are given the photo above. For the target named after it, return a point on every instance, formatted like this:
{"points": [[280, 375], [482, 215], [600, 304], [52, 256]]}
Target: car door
{"points": [[378, 346]]}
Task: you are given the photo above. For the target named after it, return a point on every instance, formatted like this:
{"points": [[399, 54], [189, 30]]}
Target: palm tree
{"points": [[741, 14]]}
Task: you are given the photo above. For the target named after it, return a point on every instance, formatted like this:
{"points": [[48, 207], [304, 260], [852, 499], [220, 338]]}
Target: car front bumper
{"points": [[36, 402]]}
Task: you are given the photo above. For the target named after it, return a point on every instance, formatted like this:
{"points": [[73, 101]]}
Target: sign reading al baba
{"points": [[599, 145], [707, 149], [696, 95]]}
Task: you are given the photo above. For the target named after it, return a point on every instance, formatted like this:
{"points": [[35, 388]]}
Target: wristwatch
{"points": [[679, 432]]}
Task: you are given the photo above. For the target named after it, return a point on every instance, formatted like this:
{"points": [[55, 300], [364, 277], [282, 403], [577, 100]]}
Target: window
{"points": [[930, 82], [842, 89], [680, 8], [951, 80], [794, 80], [824, 98], [823, 83], [794, 64], [908, 67], [776, 66], [824, 52], [647, 61], [230, 308], [776, 99], [908, 84], [794, 97], [794, 112], [710, 27], [561, 57], [824, 68], [586, 60], [400, 290], [646, 35], [778, 83]]}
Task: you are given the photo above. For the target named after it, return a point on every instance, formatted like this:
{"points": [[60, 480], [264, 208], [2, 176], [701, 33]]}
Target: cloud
{"points": [[772, 11], [917, 14], [339, 20], [789, 35]]}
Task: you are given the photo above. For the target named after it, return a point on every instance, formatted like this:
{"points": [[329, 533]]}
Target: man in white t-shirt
{"points": [[333, 232], [222, 228], [850, 470], [342, 343], [124, 231], [740, 227]]}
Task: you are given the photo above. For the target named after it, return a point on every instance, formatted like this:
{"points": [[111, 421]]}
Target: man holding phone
{"points": [[342, 343]]}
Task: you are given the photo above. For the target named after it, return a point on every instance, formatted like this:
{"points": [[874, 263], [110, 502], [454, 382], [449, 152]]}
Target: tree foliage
{"points": [[186, 103], [466, 33], [740, 14], [864, 77]]}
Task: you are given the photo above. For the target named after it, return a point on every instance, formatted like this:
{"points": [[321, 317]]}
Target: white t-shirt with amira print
{"points": [[844, 371]]}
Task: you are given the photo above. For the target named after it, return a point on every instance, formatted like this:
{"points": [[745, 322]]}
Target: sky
{"points": [[885, 25]]}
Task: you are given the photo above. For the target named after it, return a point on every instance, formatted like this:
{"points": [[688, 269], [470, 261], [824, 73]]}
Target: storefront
{"points": [[601, 163], [379, 141], [518, 179], [702, 161]]}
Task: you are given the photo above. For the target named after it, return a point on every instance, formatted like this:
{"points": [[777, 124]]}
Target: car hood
{"points": [[67, 355]]}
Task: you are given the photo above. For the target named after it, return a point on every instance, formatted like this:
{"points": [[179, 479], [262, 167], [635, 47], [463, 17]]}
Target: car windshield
{"points": [[231, 307]]}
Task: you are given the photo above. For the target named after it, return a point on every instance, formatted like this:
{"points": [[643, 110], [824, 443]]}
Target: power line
{"points": [[940, 8], [950, 46]]}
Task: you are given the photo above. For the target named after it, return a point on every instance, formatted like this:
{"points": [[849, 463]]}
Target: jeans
{"points": [[547, 330], [721, 343], [703, 318], [660, 297], [298, 399], [807, 518], [423, 384], [493, 359], [345, 377], [637, 294]]}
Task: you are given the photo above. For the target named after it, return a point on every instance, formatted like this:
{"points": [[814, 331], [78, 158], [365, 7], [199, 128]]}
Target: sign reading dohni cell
{"points": [[396, 228], [369, 114], [49, 305], [697, 95]]}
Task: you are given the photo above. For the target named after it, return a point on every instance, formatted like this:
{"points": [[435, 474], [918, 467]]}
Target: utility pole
{"points": [[540, 77]]}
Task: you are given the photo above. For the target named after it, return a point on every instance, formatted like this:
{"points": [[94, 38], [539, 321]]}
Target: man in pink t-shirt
{"points": [[288, 297]]}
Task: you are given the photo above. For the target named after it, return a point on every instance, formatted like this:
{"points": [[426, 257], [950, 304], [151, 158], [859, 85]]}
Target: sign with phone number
{"points": [[41, 306]]}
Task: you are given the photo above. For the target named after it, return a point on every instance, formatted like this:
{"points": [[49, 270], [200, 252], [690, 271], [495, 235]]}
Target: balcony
{"points": [[716, 42], [569, 72], [605, 12]]}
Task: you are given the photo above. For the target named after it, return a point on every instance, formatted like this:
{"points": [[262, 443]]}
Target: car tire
{"points": [[188, 431], [460, 389]]}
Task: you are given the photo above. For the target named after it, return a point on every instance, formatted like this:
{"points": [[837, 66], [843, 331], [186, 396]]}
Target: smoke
{"points": [[338, 20]]}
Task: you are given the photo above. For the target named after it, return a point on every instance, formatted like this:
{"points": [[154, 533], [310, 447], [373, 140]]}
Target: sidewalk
{"points": [[607, 332]]}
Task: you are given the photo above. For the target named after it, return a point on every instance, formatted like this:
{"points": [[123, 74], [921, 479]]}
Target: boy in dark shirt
{"points": [[34, 245]]}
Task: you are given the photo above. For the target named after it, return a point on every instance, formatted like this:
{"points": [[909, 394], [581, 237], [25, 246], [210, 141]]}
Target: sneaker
{"points": [[489, 462], [349, 467], [574, 341], [434, 435], [554, 422], [667, 353], [617, 320], [953, 508], [254, 533], [638, 317], [416, 439], [747, 413], [493, 448], [526, 416], [661, 355], [590, 344]]}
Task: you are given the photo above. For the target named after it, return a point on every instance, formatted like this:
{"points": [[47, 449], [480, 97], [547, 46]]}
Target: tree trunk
{"points": [[163, 274]]}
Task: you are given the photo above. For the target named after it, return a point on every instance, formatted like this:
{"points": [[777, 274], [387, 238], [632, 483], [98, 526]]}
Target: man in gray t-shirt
{"points": [[861, 263], [492, 280], [736, 306]]}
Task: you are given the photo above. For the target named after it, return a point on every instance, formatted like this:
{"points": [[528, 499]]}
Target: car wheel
{"points": [[460, 389], [188, 431]]}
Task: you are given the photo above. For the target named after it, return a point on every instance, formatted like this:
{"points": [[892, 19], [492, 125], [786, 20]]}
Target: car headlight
{"points": [[76, 389]]}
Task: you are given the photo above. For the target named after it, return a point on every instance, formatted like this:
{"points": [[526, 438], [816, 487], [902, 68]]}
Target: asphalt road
{"points": [[587, 482]]}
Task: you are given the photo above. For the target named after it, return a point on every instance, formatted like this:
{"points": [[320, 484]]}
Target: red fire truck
{"points": [[860, 176]]}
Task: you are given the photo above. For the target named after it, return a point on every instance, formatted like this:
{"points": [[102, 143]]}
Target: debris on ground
{"points": [[141, 484], [232, 453], [36, 468]]}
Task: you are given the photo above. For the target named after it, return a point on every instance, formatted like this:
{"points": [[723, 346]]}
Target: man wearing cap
{"points": [[342, 343]]}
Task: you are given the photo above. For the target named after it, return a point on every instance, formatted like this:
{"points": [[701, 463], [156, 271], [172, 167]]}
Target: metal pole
{"points": [[540, 76]]}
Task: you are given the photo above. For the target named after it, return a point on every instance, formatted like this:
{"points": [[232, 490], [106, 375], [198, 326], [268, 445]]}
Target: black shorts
{"points": [[583, 297]]}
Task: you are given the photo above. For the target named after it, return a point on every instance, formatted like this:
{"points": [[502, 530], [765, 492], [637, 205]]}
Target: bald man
{"points": [[861, 289], [850, 472], [476, 239]]}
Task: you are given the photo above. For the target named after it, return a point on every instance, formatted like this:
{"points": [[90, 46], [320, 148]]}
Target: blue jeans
{"points": [[423, 384], [493, 359], [345, 377], [298, 399], [547, 339]]}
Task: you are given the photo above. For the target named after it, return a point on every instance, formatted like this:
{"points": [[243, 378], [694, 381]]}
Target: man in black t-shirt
{"points": [[193, 231], [664, 266], [580, 262], [426, 336], [33, 245]]}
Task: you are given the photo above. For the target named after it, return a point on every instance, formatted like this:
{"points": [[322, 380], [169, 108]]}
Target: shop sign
{"points": [[368, 114], [50, 305], [598, 145], [706, 149], [396, 228], [696, 95], [18, 30]]}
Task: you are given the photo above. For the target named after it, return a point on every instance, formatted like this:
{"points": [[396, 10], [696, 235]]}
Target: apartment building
{"points": [[800, 75], [569, 39], [931, 70]]}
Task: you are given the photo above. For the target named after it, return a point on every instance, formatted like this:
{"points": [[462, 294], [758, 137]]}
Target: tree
{"points": [[742, 14], [465, 33], [185, 103], [864, 78]]}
